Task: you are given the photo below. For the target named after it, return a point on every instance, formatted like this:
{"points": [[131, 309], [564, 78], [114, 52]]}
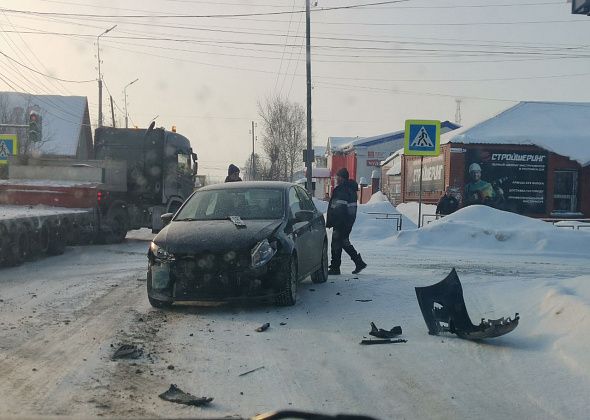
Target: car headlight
{"points": [[262, 253], [160, 253]]}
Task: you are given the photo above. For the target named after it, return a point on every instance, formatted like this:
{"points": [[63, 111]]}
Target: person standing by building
{"points": [[233, 173], [447, 204], [341, 217]]}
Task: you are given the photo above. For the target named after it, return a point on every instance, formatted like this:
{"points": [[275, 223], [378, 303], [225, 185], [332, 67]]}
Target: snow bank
{"points": [[485, 228], [11, 212], [374, 226], [410, 210]]}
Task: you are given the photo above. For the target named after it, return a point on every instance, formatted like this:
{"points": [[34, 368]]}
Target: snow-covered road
{"points": [[62, 318]]}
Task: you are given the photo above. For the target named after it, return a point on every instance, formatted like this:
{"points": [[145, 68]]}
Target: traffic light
{"points": [[35, 133]]}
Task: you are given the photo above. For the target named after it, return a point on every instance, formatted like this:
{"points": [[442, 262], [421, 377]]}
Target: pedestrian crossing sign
{"points": [[8, 146], [422, 138]]}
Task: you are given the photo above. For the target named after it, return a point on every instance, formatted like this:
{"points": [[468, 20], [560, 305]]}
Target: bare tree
{"points": [[261, 168], [283, 125]]}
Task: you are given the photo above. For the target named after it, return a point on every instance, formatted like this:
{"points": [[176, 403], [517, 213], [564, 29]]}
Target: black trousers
{"points": [[341, 241]]}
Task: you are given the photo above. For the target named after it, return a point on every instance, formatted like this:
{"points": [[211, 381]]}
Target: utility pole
{"points": [[112, 111], [253, 167], [100, 76], [308, 76]]}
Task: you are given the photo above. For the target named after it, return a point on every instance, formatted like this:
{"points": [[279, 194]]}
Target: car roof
{"points": [[245, 185]]}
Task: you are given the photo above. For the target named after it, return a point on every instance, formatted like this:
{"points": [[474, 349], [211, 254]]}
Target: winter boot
{"points": [[360, 264], [333, 270]]}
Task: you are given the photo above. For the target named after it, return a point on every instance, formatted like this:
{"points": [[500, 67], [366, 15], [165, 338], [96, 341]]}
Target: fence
{"points": [[389, 216]]}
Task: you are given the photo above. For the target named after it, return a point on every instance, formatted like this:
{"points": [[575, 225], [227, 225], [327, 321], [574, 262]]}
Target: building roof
{"points": [[335, 144], [559, 127], [388, 137], [63, 119], [319, 150]]}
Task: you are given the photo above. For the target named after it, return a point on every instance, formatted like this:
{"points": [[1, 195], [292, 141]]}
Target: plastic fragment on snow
{"points": [[250, 371], [177, 395], [263, 327], [127, 351], [383, 341], [381, 333], [443, 309]]}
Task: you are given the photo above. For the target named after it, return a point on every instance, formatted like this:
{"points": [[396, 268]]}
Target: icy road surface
{"points": [[62, 318]]}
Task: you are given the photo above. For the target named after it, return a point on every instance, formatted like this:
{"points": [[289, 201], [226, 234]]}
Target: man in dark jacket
{"points": [[341, 217], [233, 173], [447, 204]]}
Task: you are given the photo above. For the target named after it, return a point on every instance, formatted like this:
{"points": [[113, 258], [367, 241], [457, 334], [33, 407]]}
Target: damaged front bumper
{"points": [[443, 309], [185, 279]]}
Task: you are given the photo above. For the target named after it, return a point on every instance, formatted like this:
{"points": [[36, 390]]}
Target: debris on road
{"points": [[364, 300], [127, 351], [381, 333], [263, 327], [443, 309], [250, 371], [383, 341], [177, 395], [283, 323]]}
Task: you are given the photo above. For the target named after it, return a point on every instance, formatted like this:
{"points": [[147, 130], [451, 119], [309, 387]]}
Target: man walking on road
{"points": [[341, 217]]}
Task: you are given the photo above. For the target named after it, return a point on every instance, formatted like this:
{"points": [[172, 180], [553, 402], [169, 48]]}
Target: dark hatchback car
{"points": [[238, 240]]}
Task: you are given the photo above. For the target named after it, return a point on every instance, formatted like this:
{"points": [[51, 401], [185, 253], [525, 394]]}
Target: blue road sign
{"points": [[8, 146], [422, 138]]}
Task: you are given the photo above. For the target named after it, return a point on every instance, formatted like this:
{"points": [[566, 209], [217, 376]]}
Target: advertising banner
{"points": [[508, 179], [433, 175]]}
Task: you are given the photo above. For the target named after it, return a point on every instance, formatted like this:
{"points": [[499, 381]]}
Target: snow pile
{"points": [[13, 212], [410, 210], [485, 228], [564, 310], [371, 222]]}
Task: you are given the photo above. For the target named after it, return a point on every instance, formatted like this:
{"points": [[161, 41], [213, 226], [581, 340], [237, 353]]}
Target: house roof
{"points": [[559, 127], [335, 144], [396, 135], [62, 119]]}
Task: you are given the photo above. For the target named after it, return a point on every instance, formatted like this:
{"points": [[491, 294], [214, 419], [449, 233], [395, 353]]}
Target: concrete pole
{"points": [[308, 76]]}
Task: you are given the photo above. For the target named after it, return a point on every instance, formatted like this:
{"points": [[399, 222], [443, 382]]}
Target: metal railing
{"points": [[431, 217], [389, 216]]}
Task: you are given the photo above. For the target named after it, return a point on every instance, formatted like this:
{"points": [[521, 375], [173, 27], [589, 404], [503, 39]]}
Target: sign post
{"points": [[422, 138]]}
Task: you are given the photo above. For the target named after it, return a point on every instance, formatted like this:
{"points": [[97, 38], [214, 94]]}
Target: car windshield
{"points": [[248, 204]]}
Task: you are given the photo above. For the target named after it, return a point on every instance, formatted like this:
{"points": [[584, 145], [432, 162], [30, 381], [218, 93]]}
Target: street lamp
{"points": [[100, 76], [125, 92]]}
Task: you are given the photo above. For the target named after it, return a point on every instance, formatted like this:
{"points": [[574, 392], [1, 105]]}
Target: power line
{"points": [[43, 74], [90, 15]]}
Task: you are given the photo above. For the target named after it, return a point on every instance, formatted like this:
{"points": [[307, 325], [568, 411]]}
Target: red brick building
{"points": [[536, 155]]}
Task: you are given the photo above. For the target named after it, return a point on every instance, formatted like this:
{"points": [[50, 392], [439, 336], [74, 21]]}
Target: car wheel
{"points": [[159, 303], [321, 275], [288, 295]]}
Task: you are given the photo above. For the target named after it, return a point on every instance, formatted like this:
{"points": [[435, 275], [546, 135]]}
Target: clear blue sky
{"points": [[372, 67]]}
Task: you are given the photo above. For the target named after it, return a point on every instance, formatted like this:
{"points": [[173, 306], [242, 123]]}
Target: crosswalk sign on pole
{"points": [[422, 138], [8, 146]]}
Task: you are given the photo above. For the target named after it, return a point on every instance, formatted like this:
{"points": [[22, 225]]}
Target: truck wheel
{"points": [[4, 244], [57, 240], [118, 226], [18, 249]]}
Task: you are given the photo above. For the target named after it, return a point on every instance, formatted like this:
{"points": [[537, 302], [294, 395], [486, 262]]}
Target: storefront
{"points": [[532, 159]]}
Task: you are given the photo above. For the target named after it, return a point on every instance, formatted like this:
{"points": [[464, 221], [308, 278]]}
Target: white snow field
{"points": [[62, 317]]}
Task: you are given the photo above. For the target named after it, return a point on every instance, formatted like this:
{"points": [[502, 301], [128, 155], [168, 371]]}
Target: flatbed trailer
{"points": [[29, 232]]}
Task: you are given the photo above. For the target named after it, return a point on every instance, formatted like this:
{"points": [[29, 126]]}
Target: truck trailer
{"points": [[136, 175]]}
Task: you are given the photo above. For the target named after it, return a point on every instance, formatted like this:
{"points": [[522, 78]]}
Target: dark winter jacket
{"points": [[342, 206], [447, 205], [228, 179]]}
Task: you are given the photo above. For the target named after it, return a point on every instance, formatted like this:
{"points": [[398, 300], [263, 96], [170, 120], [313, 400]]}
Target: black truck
{"points": [[161, 170]]}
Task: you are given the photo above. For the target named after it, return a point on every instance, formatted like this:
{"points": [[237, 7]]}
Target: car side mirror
{"points": [[304, 216], [166, 218]]}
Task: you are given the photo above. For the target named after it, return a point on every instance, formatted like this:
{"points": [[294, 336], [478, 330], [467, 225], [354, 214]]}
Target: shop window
{"points": [[565, 192]]}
